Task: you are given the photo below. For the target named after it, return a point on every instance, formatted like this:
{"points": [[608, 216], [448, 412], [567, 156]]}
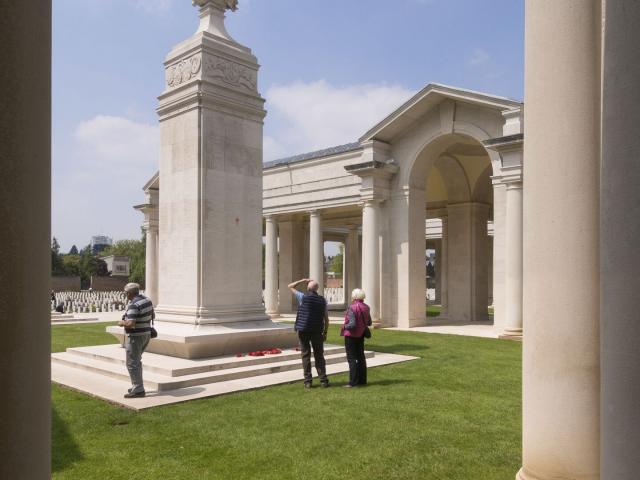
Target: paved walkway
{"points": [[480, 329], [470, 330], [95, 317], [476, 329]]}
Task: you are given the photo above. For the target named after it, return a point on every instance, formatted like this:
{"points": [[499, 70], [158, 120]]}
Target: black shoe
{"points": [[325, 385], [134, 395], [348, 385], [307, 385]]}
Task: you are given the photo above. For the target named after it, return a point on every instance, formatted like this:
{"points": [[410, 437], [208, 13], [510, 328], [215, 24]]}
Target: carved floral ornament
{"points": [[214, 68], [230, 72], [183, 71]]}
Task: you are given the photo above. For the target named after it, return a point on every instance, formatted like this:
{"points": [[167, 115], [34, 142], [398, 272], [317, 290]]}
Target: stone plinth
{"points": [[204, 341]]}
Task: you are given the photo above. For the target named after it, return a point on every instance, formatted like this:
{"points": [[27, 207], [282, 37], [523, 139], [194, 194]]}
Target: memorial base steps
{"points": [[100, 371], [162, 375]]}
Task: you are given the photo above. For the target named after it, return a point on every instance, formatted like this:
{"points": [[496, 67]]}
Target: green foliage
{"points": [[74, 250], [455, 413], [135, 250], [57, 267], [337, 263], [71, 264]]}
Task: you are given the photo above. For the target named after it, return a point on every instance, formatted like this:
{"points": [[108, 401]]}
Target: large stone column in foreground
{"points": [[211, 117], [561, 369], [620, 252], [25, 236]]}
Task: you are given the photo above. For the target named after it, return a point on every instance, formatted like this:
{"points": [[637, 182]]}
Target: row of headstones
{"points": [[89, 301]]}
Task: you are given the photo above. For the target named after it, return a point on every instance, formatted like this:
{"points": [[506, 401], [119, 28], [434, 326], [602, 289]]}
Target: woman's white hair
{"points": [[357, 294]]}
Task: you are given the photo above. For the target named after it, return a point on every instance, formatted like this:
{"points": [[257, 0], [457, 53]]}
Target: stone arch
{"points": [[454, 177], [483, 188], [467, 208]]}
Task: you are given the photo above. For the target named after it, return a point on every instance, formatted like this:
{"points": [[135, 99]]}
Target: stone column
{"points": [[352, 263], [25, 236], [271, 266], [291, 263], [561, 361], [371, 256], [438, 268], [444, 268], [467, 288], [513, 287], [499, 252], [620, 255], [151, 261], [316, 249]]}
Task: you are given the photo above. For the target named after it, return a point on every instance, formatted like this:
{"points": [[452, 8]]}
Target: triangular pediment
{"points": [[426, 99]]}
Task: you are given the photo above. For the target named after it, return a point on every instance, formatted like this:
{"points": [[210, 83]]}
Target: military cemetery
{"points": [[468, 261]]}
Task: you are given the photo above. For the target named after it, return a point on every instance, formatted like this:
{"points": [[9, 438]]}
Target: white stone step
{"points": [[176, 367], [112, 389], [162, 382]]}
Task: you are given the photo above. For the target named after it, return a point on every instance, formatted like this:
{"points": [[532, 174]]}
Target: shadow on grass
{"points": [[64, 449]]}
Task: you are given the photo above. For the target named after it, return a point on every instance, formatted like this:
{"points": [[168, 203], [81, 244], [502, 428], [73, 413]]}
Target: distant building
{"points": [[99, 243], [117, 265]]}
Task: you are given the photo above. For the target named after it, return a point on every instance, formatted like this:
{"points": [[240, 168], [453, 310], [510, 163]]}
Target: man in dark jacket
{"points": [[312, 323]]}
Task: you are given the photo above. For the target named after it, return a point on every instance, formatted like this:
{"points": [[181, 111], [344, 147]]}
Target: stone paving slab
{"points": [[473, 330], [112, 389]]}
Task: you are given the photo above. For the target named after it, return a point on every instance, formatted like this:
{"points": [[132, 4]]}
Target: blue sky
{"points": [[330, 70]]}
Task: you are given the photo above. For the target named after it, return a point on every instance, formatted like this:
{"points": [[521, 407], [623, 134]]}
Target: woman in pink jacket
{"points": [[357, 319]]}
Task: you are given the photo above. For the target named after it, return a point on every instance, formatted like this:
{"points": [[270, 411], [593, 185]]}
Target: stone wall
{"points": [[106, 284], [62, 283]]}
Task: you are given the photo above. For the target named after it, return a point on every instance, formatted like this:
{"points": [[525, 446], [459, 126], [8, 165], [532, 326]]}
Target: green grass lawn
{"points": [[452, 414]]}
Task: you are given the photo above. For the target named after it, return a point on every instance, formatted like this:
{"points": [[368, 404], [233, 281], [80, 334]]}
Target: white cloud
{"points": [[479, 57], [309, 116], [118, 141], [99, 177]]}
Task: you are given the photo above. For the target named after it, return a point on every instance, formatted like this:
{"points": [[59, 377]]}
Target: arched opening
{"points": [[452, 194]]}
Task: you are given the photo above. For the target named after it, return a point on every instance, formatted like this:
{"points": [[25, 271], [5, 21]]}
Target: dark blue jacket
{"points": [[310, 317]]}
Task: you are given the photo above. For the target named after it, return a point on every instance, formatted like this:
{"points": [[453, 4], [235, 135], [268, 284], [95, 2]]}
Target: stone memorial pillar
{"points": [[271, 266], [210, 268], [561, 363]]}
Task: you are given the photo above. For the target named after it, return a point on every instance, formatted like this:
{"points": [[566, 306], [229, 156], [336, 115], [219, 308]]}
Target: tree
{"points": [[337, 262], [57, 267], [74, 250]]}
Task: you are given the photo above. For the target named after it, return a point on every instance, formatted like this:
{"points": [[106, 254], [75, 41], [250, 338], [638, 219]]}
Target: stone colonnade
{"points": [[287, 245]]}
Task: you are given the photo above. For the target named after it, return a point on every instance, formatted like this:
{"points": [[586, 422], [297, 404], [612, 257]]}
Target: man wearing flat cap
{"points": [[137, 326]]}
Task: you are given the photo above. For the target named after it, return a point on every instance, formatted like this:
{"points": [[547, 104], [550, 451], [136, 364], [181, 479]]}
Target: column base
{"points": [[514, 334], [524, 475]]}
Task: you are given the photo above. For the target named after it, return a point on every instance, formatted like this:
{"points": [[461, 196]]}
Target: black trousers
{"points": [[310, 340], [356, 359]]}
